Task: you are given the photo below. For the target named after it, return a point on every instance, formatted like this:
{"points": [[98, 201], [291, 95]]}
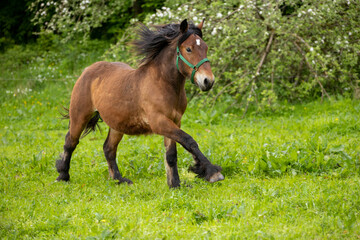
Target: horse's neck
{"points": [[165, 66]]}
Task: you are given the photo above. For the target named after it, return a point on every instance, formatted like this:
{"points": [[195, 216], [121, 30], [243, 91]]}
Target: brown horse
{"points": [[150, 99]]}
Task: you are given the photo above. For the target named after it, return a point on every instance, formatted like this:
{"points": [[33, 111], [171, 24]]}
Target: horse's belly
{"points": [[131, 125], [136, 127]]}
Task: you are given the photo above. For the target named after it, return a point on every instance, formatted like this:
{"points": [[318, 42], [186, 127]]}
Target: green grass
{"points": [[293, 173]]}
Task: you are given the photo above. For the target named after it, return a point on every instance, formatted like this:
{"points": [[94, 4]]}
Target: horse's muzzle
{"points": [[205, 82]]}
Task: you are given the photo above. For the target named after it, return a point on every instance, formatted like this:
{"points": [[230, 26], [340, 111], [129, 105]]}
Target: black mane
{"points": [[151, 42]]}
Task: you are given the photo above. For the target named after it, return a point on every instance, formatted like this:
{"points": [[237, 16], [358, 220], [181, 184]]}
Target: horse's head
{"points": [[191, 56]]}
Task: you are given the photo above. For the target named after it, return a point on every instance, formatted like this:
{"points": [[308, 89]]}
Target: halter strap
{"points": [[194, 67]]}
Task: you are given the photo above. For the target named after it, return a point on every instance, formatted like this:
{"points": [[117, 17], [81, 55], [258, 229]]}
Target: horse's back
{"points": [[99, 72], [96, 77], [103, 69]]}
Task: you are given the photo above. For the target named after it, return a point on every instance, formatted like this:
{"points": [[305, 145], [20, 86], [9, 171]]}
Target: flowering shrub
{"points": [[81, 17]]}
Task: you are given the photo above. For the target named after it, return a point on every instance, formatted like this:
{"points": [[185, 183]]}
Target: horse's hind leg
{"points": [[172, 174], [63, 164], [77, 125], [110, 147]]}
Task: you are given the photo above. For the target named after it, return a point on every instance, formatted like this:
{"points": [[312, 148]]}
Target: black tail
{"points": [[64, 113], [90, 126]]}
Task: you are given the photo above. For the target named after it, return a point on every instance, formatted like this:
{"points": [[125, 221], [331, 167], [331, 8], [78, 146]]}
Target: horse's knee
{"points": [[190, 142]]}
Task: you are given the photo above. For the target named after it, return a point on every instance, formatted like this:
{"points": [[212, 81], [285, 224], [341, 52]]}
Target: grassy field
{"points": [[291, 174]]}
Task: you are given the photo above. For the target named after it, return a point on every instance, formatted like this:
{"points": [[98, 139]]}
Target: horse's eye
{"points": [[188, 49]]}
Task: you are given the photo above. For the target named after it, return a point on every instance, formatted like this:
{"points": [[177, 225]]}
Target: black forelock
{"points": [[192, 30]]}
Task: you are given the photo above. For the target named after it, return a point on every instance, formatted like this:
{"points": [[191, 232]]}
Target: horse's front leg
{"points": [[172, 174], [203, 167]]}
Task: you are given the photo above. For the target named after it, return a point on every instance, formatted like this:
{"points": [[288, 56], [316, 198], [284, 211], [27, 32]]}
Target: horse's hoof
{"points": [[174, 186], [63, 177], [125, 180], [216, 177]]}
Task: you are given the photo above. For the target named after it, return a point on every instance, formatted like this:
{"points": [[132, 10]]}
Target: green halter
{"points": [[195, 68]]}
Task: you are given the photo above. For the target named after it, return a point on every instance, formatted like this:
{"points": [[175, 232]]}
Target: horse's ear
{"points": [[200, 25], [184, 26]]}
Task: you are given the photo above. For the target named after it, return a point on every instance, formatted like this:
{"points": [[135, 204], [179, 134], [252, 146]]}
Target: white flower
{"points": [[219, 15], [311, 49], [213, 31]]}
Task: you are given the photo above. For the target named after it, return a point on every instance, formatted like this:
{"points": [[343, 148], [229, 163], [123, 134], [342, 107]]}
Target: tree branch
{"points": [[309, 47], [267, 49], [323, 91], [257, 73]]}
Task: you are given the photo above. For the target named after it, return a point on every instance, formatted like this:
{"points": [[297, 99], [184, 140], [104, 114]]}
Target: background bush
{"points": [[261, 53]]}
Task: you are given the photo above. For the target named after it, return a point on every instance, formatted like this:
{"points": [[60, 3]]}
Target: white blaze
{"points": [[198, 42]]}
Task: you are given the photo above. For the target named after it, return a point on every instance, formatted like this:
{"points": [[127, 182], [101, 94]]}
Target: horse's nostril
{"points": [[206, 81]]}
